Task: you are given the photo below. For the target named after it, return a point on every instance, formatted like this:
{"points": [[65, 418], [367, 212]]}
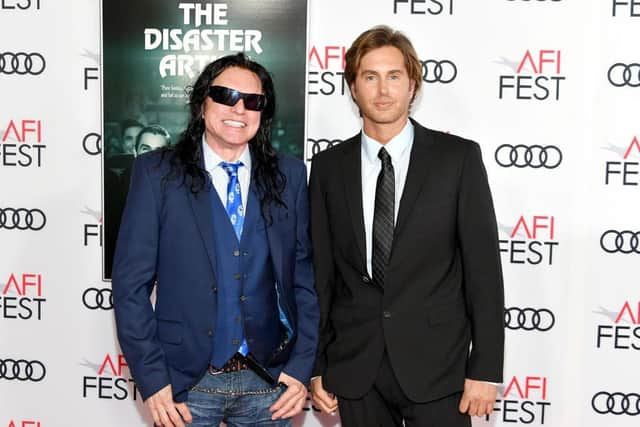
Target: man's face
{"points": [[129, 139], [232, 127], [150, 142], [382, 88]]}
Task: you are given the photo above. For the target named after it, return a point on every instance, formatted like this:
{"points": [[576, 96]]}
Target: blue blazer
{"points": [[166, 240]]}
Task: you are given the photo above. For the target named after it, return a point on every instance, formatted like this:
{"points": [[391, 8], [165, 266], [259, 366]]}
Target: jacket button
{"points": [[236, 253], [366, 279], [237, 276], [243, 298], [210, 333], [387, 315], [235, 342], [214, 289]]}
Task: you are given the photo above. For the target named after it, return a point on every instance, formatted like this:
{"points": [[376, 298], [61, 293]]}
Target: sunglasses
{"points": [[230, 97]]}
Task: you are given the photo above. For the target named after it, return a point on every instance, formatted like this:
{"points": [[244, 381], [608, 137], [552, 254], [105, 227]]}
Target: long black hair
{"points": [[186, 161]]}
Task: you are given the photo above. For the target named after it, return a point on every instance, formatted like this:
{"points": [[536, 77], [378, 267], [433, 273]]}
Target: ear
{"points": [[352, 89], [412, 87]]}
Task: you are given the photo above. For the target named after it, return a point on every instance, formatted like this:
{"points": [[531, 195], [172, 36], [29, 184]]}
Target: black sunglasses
{"points": [[230, 97]]}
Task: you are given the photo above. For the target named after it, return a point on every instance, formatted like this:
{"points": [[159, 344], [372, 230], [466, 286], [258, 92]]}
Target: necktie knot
{"points": [[384, 156], [231, 168]]}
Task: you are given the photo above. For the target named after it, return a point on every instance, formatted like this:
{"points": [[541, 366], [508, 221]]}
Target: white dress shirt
{"points": [[219, 176], [399, 148]]}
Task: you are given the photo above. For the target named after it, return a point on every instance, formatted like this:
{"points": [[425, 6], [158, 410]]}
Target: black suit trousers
{"points": [[386, 405]]}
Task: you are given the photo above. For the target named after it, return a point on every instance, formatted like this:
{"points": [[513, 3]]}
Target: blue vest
{"points": [[247, 298]]}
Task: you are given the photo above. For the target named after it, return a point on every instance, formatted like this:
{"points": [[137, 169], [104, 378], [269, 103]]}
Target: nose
{"points": [[238, 107], [383, 86]]}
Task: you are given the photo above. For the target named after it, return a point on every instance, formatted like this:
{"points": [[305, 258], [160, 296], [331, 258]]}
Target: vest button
{"points": [[237, 276], [236, 253], [235, 342], [210, 333], [243, 298], [365, 278], [387, 315], [214, 289]]}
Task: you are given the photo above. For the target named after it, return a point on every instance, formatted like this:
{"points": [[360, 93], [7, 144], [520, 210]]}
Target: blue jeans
{"points": [[238, 398]]}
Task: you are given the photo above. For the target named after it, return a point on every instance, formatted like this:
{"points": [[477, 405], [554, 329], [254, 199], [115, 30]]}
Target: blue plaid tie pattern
{"points": [[235, 209]]}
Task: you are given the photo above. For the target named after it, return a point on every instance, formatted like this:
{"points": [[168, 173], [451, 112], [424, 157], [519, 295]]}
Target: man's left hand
{"points": [[292, 400], [478, 398]]}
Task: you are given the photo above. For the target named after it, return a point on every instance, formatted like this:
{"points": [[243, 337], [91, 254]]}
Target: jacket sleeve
{"points": [[478, 240], [323, 263], [300, 362], [133, 277]]}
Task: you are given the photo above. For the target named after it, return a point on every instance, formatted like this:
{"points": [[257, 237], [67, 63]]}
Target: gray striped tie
{"points": [[383, 218]]}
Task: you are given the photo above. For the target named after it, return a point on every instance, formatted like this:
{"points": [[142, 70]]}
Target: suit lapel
{"points": [[352, 178], [416, 175], [202, 206]]}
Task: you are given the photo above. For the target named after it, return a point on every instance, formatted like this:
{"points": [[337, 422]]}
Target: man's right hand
{"points": [[165, 412], [326, 402]]}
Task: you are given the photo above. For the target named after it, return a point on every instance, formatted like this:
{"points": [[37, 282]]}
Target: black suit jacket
{"points": [[443, 284]]}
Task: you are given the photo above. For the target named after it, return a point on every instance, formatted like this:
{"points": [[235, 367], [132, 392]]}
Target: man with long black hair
{"points": [[219, 224]]}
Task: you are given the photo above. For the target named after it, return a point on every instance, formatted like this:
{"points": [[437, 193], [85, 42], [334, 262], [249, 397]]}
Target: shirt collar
{"points": [[212, 159], [396, 147]]}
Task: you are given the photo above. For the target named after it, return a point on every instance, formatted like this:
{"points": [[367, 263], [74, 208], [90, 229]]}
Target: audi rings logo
{"points": [[318, 145], [620, 74], [434, 71], [22, 219], [625, 241], [532, 156], [22, 370], [616, 403], [22, 63], [529, 319], [98, 299]]}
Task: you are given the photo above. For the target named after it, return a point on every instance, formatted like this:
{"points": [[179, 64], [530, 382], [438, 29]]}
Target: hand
{"points": [[291, 401], [165, 412], [478, 398], [327, 402]]}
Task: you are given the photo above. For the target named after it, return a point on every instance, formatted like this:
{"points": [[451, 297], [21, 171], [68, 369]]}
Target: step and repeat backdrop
{"points": [[549, 88]]}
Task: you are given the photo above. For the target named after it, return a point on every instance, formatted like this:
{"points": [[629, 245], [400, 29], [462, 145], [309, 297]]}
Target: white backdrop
{"points": [[564, 171]]}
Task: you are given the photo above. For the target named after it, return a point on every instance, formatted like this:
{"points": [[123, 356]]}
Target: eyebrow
{"points": [[399, 70]]}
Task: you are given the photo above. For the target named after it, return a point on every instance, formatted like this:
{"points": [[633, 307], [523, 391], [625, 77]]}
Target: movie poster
{"points": [[152, 50]]}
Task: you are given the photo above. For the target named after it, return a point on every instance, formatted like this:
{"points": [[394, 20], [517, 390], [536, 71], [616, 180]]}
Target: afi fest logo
{"points": [[20, 5], [625, 170], [628, 8], [524, 400], [112, 380], [622, 331], [22, 296], [21, 143], [326, 70], [423, 7], [531, 241], [92, 232], [536, 76], [24, 423]]}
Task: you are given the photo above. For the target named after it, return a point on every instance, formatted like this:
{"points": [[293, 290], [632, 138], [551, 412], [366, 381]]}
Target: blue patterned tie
{"points": [[235, 210]]}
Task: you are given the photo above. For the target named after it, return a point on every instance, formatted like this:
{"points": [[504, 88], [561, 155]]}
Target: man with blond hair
{"points": [[408, 270]]}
